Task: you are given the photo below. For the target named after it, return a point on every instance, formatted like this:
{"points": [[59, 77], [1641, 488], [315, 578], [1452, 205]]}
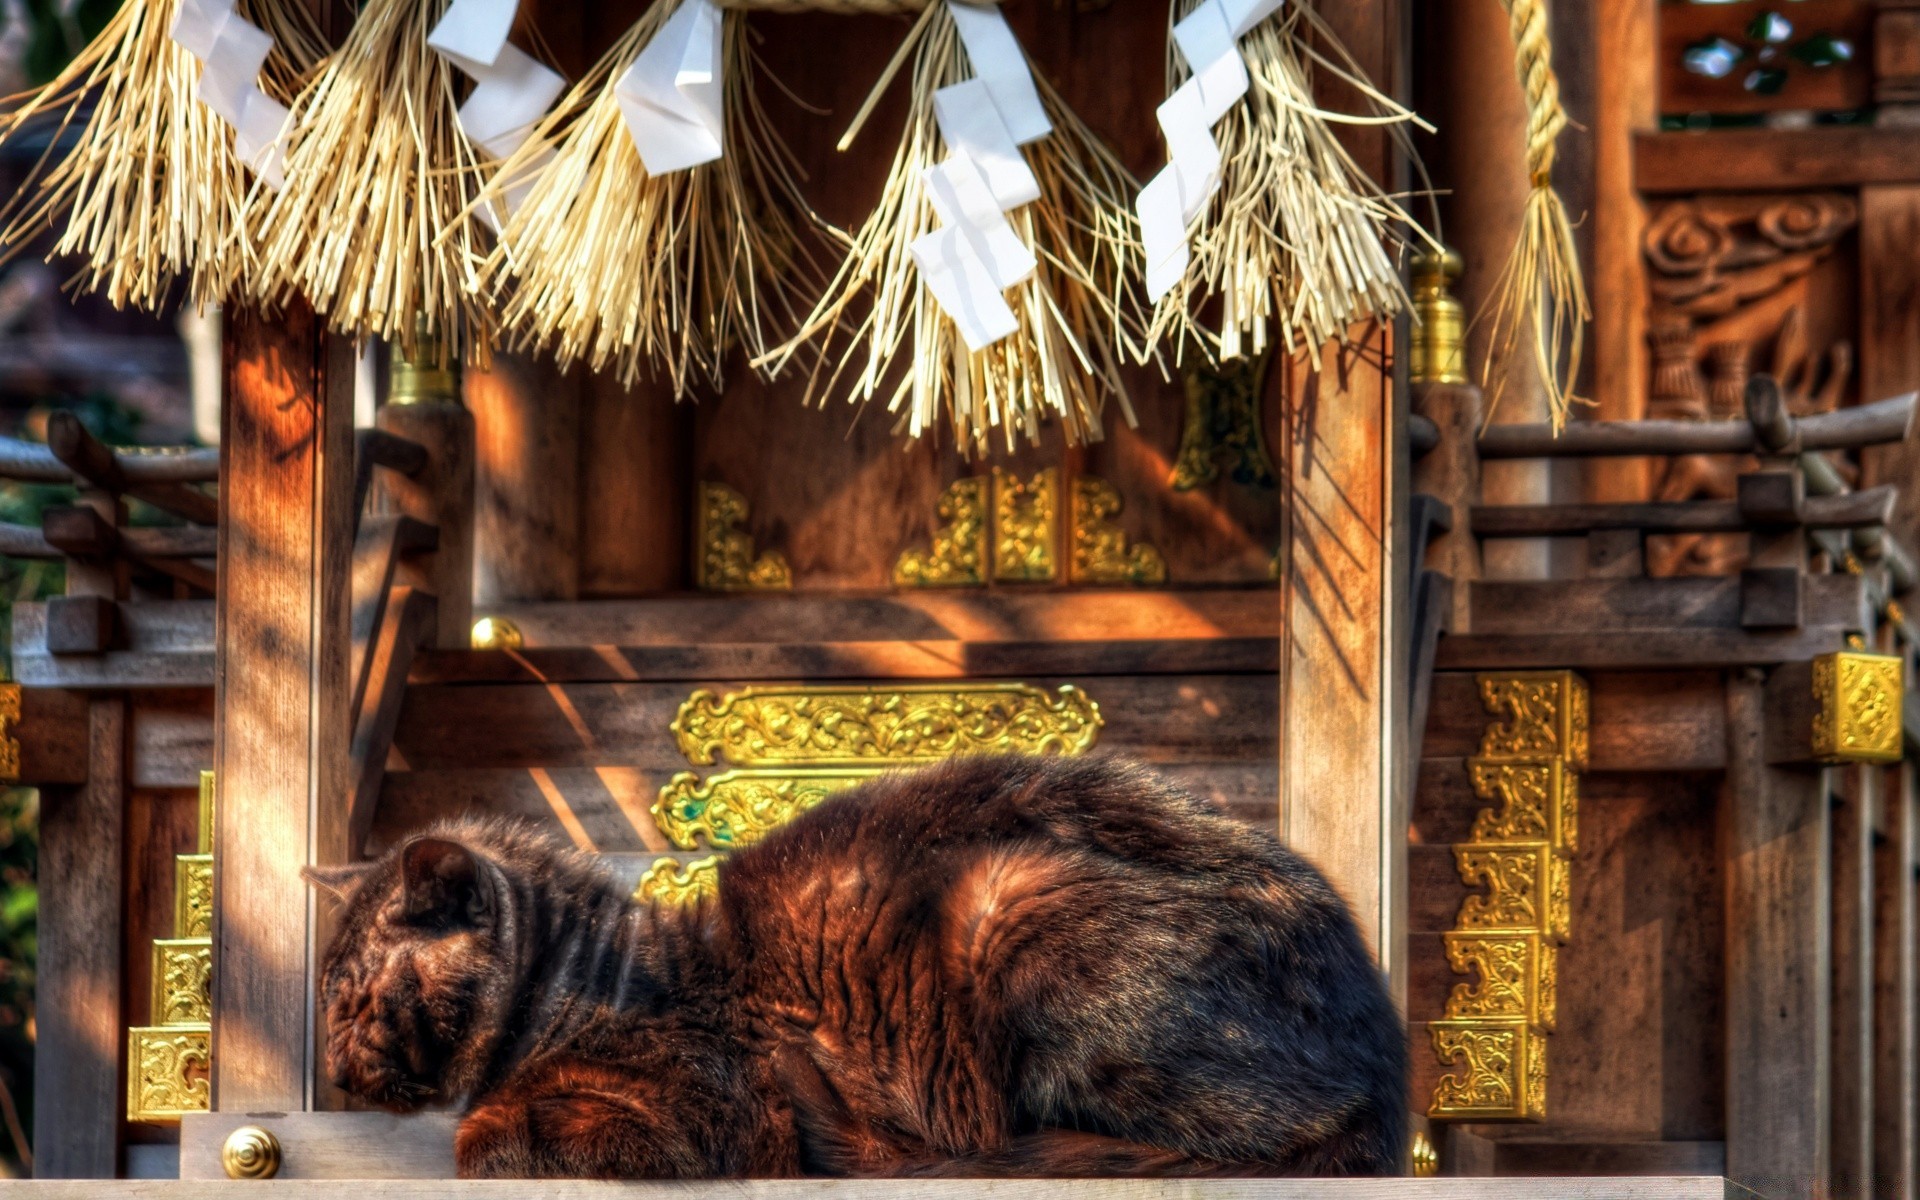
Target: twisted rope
{"points": [[1540, 289]]}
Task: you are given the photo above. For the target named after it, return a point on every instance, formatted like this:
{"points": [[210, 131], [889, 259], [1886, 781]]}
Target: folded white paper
{"points": [[963, 201], [197, 22], [971, 125], [509, 100], [473, 32], [259, 138], [1207, 43], [1195, 155], [999, 62], [672, 95], [1163, 232], [1243, 15], [231, 71], [964, 288]]}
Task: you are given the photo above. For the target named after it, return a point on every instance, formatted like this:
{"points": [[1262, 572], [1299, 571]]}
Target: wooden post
{"points": [[282, 688], [526, 505], [1451, 472], [425, 407], [1890, 332], [1896, 994], [1853, 1048], [78, 1097], [1779, 959]]}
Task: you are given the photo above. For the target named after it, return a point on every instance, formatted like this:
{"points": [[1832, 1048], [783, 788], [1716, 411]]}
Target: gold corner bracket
{"points": [[1026, 522], [170, 1062], [724, 559], [1858, 715], [957, 554], [1101, 553], [1493, 1034]]}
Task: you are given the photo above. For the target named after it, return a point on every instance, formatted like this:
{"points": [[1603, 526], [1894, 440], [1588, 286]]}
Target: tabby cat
{"points": [[994, 966]]}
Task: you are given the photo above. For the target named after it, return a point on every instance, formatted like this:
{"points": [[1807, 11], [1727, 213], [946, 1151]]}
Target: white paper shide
{"points": [[673, 96], [975, 255], [231, 53], [511, 89]]}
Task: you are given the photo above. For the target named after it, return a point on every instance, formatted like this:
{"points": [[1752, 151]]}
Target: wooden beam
{"points": [[78, 1097], [165, 643], [378, 546], [1882, 421], [440, 494], [94, 462], [1850, 510], [1637, 649], [282, 689], [1779, 870], [1889, 333], [408, 622], [1775, 160]]}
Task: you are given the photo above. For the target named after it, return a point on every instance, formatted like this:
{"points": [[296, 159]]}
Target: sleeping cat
{"points": [[994, 966]]}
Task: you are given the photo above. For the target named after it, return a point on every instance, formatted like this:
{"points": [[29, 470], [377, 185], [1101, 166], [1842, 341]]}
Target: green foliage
{"points": [[56, 36]]}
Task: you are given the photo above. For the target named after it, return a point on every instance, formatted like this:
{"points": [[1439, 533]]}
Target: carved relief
{"points": [[666, 882], [1101, 553], [841, 726], [736, 808], [1223, 424], [724, 560], [1493, 1030], [193, 895], [1858, 717], [169, 1062], [182, 981], [1026, 522], [957, 555], [169, 1072]]}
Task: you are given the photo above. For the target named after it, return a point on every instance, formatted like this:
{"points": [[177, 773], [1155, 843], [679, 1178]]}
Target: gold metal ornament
{"points": [[205, 823], [1438, 353], [169, 1062], [957, 555], [1859, 717], [169, 1072], [182, 981], [737, 808], [834, 726], [666, 882], [1426, 1160], [193, 895], [9, 721], [1493, 1033], [724, 553], [496, 633], [1100, 550], [1223, 422], [250, 1152], [1026, 521]]}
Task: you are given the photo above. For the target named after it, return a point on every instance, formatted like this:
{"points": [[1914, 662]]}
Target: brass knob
{"points": [[496, 633], [251, 1152]]}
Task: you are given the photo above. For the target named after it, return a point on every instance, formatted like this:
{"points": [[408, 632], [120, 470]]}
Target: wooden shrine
{"points": [[1607, 734]]}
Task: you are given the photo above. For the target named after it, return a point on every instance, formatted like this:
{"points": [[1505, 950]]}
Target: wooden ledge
{"points": [[1695, 1187]]}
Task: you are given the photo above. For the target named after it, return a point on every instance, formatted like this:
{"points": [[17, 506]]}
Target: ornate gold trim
{"points": [[1026, 521], [182, 981], [169, 1072], [1493, 1033], [737, 808], [667, 883], [1100, 550], [1223, 421], [957, 555], [205, 844], [193, 895], [830, 726], [723, 552], [1859, 715], [9, 744]]}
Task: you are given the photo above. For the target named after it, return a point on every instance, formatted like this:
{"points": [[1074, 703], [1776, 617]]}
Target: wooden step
{"points": [[1696, 1187]]}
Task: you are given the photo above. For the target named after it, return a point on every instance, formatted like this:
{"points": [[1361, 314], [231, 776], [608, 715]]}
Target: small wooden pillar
{"points": [[424, 407], [281, 693]]}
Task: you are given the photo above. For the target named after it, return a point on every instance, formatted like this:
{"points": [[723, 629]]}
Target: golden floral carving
{"points": [[666, 882], [193, 895], [737, 808], [9, 721], [182, 981], [1495, 1025], [1025, 519], [957, 555], [1100, 550], [1223, 421], [831, 726], [169, 1072], [1858, 717], [724, 559]]}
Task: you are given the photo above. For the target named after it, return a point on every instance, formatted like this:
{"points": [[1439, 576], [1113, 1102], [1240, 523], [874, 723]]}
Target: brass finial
{"points": [[250, 1152], [497, 633], [428, 375], [1439, 352], [1426, 1160]]}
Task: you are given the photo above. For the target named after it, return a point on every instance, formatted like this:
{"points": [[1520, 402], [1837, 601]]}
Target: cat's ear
{"points": [[444, 880], [338, 882]]}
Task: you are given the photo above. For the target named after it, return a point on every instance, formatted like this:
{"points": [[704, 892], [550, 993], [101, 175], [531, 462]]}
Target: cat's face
{"points": [[414, 977]]}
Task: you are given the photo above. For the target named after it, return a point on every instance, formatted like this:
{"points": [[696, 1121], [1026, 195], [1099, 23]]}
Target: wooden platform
{"points": [[1698, 1187]]}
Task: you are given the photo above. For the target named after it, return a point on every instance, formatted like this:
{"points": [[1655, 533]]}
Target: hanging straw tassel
{"points": [[152, 190], [1079, 314], [1297, 242], [605, 263], [374, 225], [1540, 289]]}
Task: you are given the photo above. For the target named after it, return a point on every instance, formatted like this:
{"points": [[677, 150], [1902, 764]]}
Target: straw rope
{"points": [[1541, 286]]}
